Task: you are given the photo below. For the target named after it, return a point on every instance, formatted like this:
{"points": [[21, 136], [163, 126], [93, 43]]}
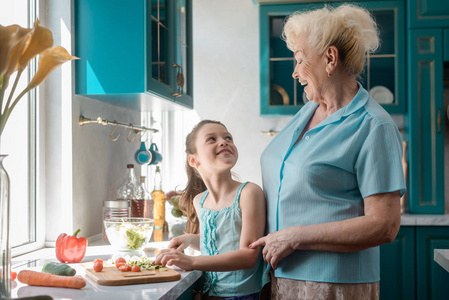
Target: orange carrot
{"points": [[46, 279]]}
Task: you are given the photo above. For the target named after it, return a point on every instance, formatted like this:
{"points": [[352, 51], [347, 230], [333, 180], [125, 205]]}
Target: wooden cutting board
{"points": [[110, 275]]}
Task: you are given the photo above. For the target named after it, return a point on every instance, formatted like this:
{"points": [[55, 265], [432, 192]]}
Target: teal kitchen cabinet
{"points": [[446, 44], [194, 291], [397, 266], [432, 280], [426, 116], [136, 51], [280, 94], [407, 267], [428, 13]]}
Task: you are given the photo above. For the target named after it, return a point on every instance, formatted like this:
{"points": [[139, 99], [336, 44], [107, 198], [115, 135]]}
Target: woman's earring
{"points": [[329, 75]]}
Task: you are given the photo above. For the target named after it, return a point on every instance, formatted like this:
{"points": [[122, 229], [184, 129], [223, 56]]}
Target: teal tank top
{"points": [[220, 233]]}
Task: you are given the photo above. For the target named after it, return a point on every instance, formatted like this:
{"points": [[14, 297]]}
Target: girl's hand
{"points": [[170, 257], [182, 242], [277, 245]]}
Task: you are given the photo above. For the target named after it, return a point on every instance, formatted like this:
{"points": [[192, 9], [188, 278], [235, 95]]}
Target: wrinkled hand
{"points": [[277, 245], [181, 242], [170, 257]]}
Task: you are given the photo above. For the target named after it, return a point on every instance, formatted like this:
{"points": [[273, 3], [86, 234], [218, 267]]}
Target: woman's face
{"points": [[215, 149], [310, 69]]}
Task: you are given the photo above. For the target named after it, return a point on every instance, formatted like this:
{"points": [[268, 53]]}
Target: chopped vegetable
{"points": [[13, 275], [120, 262], [125, 268], [144, 263], [135, 268], [45, 279]]}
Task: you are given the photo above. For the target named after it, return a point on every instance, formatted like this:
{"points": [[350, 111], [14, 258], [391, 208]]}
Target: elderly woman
{"points": [[333, 176]]}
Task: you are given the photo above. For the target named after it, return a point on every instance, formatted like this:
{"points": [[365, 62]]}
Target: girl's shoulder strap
{"points": [[239, 191], [203, 196]]}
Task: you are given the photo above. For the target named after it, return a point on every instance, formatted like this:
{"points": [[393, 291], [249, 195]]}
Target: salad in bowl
{"points": [[129, 234]]}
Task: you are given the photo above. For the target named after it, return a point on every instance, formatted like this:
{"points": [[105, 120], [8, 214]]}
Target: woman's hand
{"points": [[277, 245], [170, 257], [181, 242]]}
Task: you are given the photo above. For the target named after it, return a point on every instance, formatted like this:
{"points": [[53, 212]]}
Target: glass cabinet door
{"points": [[170, 51], [284, 89], [182, 51], [159, 43], [384, 68]]}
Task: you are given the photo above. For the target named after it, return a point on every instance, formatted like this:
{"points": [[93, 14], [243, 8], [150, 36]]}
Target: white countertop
{"points": [[424, 220], [150, 291], [441, 256]]}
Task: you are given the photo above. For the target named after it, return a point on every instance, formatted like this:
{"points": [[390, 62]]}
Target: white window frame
{"points": [[36, 205]]}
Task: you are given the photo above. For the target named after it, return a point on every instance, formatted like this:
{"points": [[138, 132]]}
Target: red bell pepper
{"points": [[70, 248]]}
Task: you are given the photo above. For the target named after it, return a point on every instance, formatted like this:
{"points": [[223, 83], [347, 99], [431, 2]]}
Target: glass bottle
{"points": [[142, 206], [159, 206], [5, 249], [128, 188]]}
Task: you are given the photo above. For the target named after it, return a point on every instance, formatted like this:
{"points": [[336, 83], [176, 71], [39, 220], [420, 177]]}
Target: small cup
{"points": [[156, 156], [142, 155]]}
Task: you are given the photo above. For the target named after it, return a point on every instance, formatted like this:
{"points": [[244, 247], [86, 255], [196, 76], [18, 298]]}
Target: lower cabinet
{"points": [[407, 266], [397, 266], [194, 291]]}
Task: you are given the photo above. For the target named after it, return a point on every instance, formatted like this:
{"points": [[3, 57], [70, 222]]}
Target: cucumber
{"points": [[58, 269]]}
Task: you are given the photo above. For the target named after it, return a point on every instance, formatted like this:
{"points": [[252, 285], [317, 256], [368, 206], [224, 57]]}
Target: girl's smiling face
{"points": [[310, 69], [215, 149]]}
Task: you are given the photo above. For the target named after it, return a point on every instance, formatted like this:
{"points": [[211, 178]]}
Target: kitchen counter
{"points": [[150, 291], [424, 220], [441, 256]]}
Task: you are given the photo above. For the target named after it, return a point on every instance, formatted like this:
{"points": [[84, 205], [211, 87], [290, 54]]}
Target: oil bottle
{"points": [[158, 206]]}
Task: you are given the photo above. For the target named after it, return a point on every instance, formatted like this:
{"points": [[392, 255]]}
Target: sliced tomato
{"points": [[120, 262], [125, 268], [135, 268], [13, 275]]}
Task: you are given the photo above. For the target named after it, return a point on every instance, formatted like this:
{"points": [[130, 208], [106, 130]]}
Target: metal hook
{"points": [[130, 131], [115, 128]]}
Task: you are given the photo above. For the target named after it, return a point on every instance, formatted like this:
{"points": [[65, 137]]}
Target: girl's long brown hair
{"points": [[195, 183]]}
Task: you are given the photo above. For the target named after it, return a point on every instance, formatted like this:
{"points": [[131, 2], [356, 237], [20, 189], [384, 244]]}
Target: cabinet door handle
{"points": [[439, 121], [179, 81]]}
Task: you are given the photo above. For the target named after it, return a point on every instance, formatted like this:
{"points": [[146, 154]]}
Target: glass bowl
{"points": [[129, 234]]}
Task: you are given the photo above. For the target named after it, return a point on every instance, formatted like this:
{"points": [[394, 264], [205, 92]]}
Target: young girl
{"points": [[224, 217]]}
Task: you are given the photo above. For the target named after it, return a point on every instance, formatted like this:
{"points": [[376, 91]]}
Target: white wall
{"points": [[99, 164], [226, 77]]}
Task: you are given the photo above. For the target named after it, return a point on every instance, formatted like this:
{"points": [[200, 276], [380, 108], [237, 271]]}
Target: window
{"points": [[18, 141], [174, 127]]}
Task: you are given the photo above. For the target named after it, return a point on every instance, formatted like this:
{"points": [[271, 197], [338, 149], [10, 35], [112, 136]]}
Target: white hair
{"points": [[351, 29]]}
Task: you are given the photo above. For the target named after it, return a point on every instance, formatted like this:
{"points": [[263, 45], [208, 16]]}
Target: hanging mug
{"points": [[142, 155], [156, 156]]}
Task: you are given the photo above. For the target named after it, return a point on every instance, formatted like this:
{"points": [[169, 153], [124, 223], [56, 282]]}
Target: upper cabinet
{"points": [[282, 95], [428, 13], [136, 53]]}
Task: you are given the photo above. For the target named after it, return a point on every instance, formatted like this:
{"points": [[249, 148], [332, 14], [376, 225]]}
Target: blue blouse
{"points": [[354, 153], [220, 233]]}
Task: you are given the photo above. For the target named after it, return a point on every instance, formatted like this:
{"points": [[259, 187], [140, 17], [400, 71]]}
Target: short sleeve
{"points": [[379, 164]]}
